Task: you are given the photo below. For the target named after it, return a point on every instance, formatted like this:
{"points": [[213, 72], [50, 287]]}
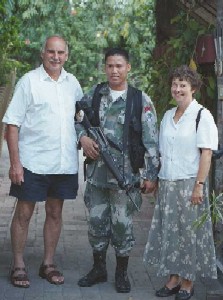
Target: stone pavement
{"points": [[74, 255]]}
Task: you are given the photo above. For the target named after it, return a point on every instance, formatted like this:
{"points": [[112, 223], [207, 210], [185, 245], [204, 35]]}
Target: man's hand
{"points": [[90, 147], [149, 186], [16, 174]]}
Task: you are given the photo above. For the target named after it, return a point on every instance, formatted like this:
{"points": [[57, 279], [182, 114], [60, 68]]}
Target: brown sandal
{"points": [[19, 278], [49, 276]]}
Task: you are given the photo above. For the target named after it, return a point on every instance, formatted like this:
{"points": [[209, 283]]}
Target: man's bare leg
{"points": [[19, 232], [51, 232]]}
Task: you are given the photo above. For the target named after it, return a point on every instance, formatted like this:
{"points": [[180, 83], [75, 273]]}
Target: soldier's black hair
{"points": [[117, 51]]}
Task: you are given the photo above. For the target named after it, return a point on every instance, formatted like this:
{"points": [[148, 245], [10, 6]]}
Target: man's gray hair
{"points": [[43, 48]]}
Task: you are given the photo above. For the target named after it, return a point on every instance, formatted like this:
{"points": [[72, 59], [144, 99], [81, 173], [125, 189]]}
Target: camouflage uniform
{"points": [[109, 207]]}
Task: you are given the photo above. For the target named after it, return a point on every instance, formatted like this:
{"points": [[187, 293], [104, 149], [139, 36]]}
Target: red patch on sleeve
{"points": [[147, 108]]}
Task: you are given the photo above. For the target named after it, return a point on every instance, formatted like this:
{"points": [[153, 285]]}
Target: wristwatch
{"points": [[199, 182]]}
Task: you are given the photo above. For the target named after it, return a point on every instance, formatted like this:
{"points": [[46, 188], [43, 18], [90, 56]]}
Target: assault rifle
{"points": [[104, 148]]}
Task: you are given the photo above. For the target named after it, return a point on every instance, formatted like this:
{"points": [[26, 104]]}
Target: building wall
{"points": [[219, 163]]}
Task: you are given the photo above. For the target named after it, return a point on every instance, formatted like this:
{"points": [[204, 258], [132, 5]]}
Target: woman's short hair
{"points": [[186, 73]]}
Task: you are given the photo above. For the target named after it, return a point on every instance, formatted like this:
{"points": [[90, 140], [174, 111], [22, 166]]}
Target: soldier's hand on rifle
{"points": [[149, 186], [90, 147]]}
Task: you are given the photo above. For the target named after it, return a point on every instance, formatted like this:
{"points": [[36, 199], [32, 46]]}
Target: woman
{"points": [[179, 248]]}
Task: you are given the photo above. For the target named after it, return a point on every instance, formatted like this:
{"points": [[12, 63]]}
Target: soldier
{"points": [[110, 209]]}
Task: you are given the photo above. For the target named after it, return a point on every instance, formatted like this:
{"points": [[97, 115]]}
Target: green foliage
{"points": [[90, 27], [39, 19], [178, 50], [9, 41], [215, 212]]}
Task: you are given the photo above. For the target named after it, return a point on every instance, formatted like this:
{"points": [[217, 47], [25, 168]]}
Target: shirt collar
{"points": [[45, 76], [190, 109], [105, 90]]}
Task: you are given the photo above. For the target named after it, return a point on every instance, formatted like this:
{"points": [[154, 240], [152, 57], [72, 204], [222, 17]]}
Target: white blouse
{"points": [[179, 142]]}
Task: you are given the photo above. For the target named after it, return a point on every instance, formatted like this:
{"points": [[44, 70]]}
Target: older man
{"points": [[42, 146]]}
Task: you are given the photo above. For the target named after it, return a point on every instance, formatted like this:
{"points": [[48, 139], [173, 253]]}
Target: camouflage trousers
{"points": [[110, 219]]}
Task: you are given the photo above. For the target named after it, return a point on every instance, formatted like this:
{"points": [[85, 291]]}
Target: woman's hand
{"points": [[197, 194], [148, 186]]}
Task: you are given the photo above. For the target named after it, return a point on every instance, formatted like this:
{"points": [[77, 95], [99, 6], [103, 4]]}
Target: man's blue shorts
{"points": [[38, 187]]}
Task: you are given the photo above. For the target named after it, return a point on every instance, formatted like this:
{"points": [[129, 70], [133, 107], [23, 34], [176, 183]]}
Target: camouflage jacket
{"points": [[112, 117]]}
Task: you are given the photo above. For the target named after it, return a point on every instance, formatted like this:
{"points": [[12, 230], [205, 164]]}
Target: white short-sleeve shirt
{"points": [[179, 142], [44, 110]]}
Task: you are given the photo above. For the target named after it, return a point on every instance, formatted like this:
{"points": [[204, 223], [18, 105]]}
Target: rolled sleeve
{"points": [[207, 133], [150, 139], [80, 130], [17, 108]]}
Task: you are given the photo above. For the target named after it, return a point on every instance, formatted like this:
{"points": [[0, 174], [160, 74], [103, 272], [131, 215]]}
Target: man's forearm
{"points": [[12, 137]]}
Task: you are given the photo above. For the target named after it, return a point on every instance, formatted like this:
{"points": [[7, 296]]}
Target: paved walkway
{"points": [[74, 255]]}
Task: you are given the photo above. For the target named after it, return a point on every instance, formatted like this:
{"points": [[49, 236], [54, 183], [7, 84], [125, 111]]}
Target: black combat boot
{"points": [[98, 272], [122, 283]]}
